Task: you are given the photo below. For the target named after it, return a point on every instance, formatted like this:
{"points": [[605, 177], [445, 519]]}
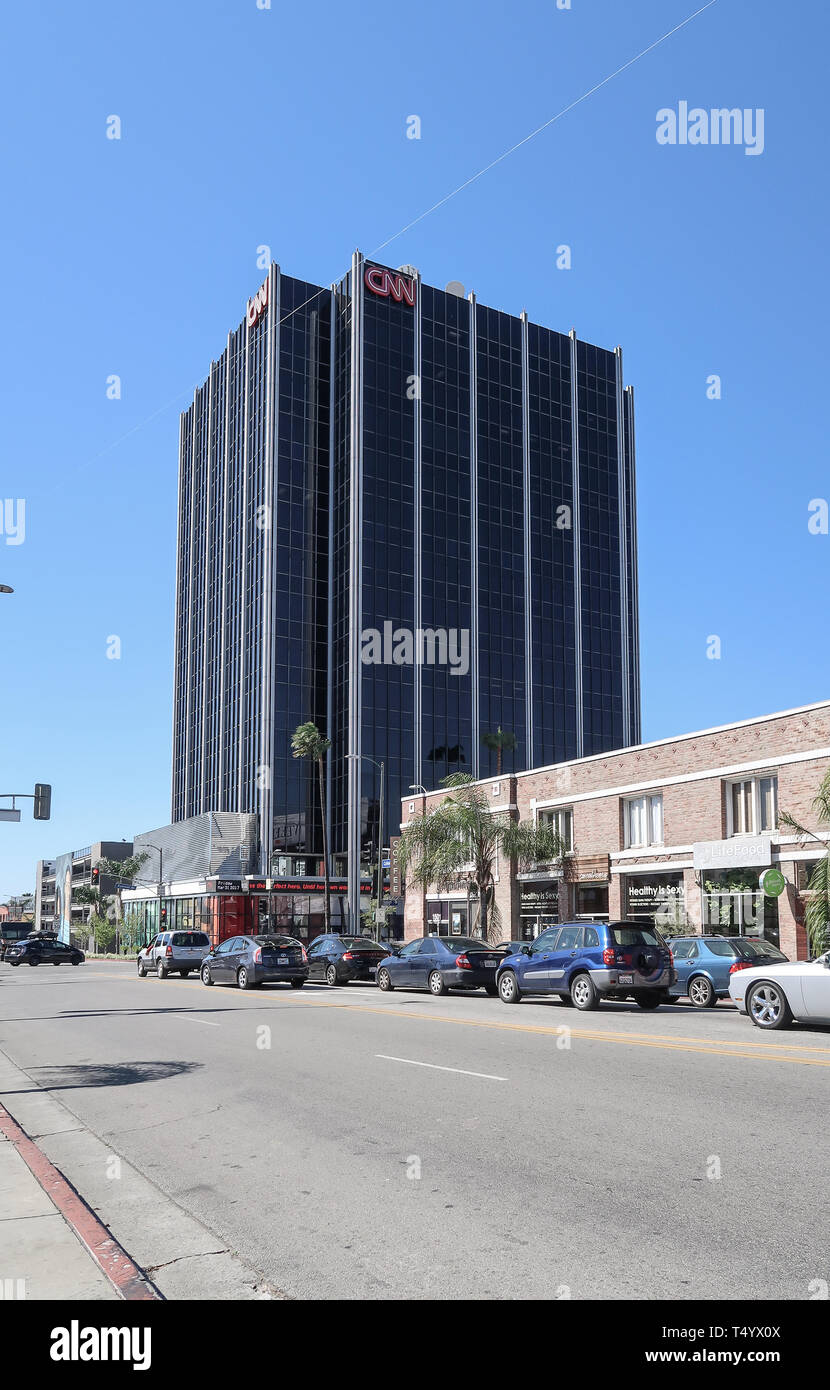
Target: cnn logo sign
{"points": [[257, 305], [390, 284]]}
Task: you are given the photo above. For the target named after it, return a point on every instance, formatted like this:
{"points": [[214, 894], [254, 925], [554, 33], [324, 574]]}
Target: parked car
{"points": [[775, 993], [43, 949], [511, 947], [249, 961], [174, 951], [583, 963], [441, 963], [705, 964], [339, 959]]}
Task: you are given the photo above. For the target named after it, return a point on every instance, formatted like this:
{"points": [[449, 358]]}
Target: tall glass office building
{"points": [[411, 519]]}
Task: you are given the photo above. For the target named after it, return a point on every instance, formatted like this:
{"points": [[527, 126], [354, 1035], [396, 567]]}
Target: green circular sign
{"points": [[772, 883]]}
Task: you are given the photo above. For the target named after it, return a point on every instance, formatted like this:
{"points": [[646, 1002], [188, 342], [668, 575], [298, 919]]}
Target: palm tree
{"points": [[500, 742], [463, 837], [817, 915], [308, 742]]}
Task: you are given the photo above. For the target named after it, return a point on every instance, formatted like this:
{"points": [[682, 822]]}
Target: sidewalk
{"points": [[40, 1255]]}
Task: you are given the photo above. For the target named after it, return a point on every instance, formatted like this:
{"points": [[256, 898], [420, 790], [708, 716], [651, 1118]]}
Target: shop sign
{"points": [[227, 885], [257, 305], [742, 852], [539, 900], [592, 868], [772, 883], [649, 891], [389, 283]]}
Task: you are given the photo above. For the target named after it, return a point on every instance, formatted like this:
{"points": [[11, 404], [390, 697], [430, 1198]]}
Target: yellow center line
{"points": [[768, 1051]]}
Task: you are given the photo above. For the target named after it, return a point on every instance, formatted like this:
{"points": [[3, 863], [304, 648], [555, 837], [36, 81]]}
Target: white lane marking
{"points": [[188, 1018], [485, 1076]]}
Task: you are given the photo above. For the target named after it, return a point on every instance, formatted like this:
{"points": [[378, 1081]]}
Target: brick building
{"points": [[676, 832]]}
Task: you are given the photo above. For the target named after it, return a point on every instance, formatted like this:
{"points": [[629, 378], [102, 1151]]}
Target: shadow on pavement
{"points": [[85, 1076]]}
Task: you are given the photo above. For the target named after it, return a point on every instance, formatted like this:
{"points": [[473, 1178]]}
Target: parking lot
{"points": [[511, 1152]]}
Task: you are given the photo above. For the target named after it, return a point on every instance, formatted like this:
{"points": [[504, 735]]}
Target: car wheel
{"points": [[331, 975], [702, 993], [205, 975], [648, 1001], [142, 969], [767, 1006], [491, 989], [584, 993], [77, 960], [508, 987], [243, 979], [436, 983], [297, 984], [14, 964], [161, 970], [34, 961], [385, 981]]}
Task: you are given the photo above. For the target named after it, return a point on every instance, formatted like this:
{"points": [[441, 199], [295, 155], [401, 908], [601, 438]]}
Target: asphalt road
{"points": [[350, 1144]]}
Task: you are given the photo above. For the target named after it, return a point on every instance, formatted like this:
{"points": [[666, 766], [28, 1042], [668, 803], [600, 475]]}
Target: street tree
{"points": [[817, 914], [308, 742]]}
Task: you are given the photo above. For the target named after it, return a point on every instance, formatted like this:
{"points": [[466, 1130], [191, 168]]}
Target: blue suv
{"points": [[583, 963], [705, 964]]}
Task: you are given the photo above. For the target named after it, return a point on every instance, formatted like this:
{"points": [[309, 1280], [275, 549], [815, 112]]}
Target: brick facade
{"points": [[693, 775]]}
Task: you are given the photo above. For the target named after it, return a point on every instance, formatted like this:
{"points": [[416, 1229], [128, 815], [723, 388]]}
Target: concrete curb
{"points": [[129, 1282]]}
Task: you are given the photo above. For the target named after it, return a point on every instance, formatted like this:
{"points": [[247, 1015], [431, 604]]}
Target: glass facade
{"points": [[409, 518]]}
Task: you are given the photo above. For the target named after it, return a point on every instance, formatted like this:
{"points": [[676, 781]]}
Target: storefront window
{"points": [[733, 905], [657, 898], [592, 901]]}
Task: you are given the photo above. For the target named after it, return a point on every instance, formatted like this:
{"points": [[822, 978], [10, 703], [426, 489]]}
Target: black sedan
{"points": [[249, 961], [442, 963], [43, 950], [339, 959]]}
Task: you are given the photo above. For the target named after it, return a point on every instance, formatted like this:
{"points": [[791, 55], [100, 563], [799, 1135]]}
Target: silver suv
{"points": [[179, 951]]}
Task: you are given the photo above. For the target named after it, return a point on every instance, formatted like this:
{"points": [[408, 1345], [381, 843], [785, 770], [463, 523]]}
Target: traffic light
{"points": [[96, 877], [43, 800], [163, 915]]}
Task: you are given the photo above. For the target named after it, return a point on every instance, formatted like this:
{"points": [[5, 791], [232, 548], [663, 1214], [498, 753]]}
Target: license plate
{"points": [[282, 960], [625, 979], [491, 963], [372, 969]]}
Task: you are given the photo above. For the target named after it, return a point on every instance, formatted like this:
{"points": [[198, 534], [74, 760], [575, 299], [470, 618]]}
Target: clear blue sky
{"points": [[243, 127]]}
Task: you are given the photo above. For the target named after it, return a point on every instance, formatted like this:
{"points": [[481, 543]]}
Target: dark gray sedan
{"points": [[442, 963], [249, 961]]}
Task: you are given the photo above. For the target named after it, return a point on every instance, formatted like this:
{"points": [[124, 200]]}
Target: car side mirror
{"points": [[527, 950]]}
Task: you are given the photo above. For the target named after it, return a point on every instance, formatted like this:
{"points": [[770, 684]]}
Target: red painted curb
{"points": [[125, 1276]]}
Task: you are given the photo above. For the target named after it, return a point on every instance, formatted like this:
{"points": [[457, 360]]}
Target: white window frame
{"points": [[552, 816], [754, 783], [648, 800]]}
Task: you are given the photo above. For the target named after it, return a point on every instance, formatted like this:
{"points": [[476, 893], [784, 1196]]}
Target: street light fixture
{"points": [[418, 787], [160, 853]]}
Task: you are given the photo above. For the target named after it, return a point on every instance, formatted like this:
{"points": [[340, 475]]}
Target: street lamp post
{"points": [[355, 910], [160, 853]]}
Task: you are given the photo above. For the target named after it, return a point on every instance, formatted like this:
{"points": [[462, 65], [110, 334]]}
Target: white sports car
{"points": [[773, 995]]}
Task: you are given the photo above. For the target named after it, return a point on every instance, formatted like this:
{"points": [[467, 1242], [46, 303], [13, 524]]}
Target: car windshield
{"points": [[281, 941], [364, 945], [626, 935], [189, 938], [760, 950]]}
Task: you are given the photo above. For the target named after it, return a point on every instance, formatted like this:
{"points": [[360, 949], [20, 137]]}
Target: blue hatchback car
{"points": [[704, 964], [584, 962]]}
